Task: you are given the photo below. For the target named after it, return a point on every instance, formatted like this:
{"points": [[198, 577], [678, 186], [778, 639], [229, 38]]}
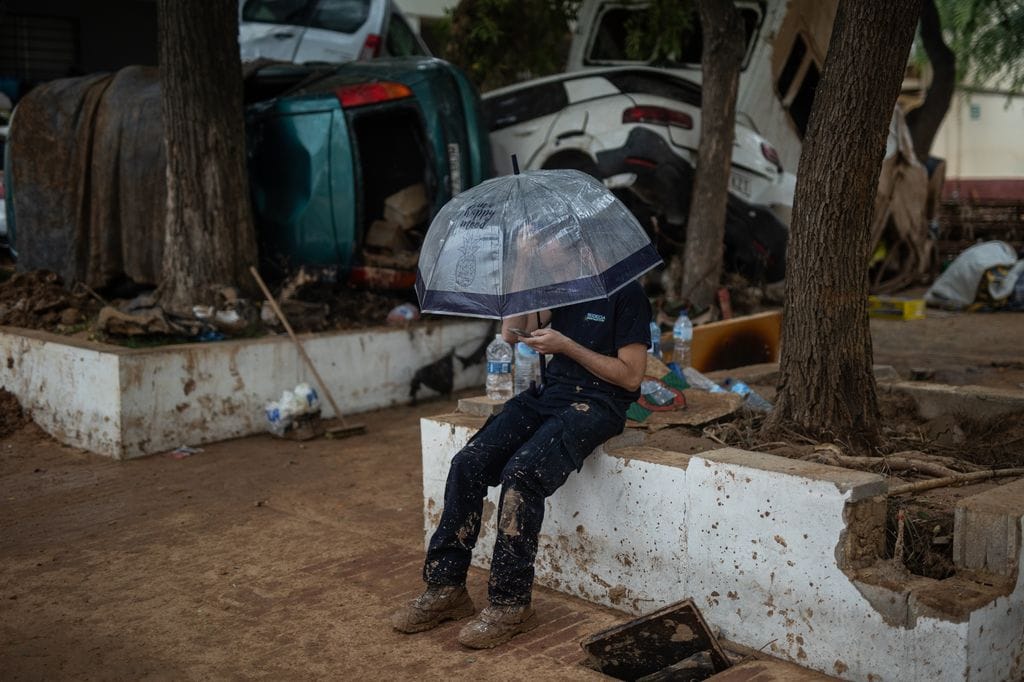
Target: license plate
{"points": [[740, 182], [455, 168]]}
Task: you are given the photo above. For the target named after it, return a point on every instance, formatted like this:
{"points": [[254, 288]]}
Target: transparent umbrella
{"points": [[530, 241]]}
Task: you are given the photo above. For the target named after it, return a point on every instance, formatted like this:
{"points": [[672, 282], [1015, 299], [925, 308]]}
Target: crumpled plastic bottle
{"points": [[657, 393], [308, 396], [751, 398], [277, 422]]}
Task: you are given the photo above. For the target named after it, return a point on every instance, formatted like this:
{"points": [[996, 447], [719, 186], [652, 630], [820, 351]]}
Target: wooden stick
{"points": [[298, 344], [953, 480]]}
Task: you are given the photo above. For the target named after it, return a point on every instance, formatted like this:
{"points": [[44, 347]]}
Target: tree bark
{"points": [[721, 59], [827, 388], [924, 121], [209, 240]]}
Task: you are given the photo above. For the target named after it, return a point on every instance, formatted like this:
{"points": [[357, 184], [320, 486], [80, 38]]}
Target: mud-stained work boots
{"points": [[496, 625], [438, 604]]}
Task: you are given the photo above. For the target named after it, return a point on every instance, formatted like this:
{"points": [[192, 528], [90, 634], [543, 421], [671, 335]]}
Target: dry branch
{"points": [[953, 480]]}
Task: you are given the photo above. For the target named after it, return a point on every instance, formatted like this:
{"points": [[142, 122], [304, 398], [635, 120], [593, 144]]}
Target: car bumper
{"points": [[660, 172]]}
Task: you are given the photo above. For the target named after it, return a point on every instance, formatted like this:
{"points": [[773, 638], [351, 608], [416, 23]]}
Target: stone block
{"points": [[979, 402], [480, 406], [986, 530]]}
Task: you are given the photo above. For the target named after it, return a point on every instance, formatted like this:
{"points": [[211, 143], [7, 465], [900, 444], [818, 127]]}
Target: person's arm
{"points": [[626, 369], [526, 321]]}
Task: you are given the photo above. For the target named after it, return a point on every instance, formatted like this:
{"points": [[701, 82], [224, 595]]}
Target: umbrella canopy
{"points": [[526, 242]]}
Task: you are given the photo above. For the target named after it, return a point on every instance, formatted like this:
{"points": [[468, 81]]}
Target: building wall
{"points": [[982, 140]]}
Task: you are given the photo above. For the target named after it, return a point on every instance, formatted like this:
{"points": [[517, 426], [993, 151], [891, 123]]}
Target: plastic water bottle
{"points": [[698, 380], [655, 340], [527, 367], [657, 393], [499, 369], [682, 334], [277, 423], [307, 394], [751, 398]]}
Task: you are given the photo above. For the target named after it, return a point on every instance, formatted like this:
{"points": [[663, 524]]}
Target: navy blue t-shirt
{"points": [[603, 326]]}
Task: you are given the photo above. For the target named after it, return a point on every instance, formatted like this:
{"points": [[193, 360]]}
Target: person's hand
{"points": [[547, 341]]}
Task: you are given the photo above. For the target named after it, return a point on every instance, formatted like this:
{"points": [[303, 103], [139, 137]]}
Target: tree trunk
{"points": [[721, 60], [925, 120], [827, 388], [209, 239]]}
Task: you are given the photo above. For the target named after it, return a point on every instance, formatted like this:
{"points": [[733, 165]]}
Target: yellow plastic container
{"points": [[896, 308]]}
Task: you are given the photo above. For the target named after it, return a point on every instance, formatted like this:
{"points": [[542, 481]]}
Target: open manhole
{"points": [[673, 643]]}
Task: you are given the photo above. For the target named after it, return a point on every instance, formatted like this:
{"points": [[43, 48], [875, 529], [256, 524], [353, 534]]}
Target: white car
{"points": [[332, 31], [629, 126]]}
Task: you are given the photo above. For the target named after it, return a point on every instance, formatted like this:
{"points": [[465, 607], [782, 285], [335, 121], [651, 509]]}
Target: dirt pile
{"points": [[39, 300]]}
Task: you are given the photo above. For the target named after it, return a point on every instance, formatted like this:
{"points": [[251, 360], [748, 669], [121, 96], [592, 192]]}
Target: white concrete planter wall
{"points": [[776, 552], [130, 402]]}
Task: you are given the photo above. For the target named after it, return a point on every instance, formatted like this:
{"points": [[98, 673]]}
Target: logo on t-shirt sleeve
{"points": [[594, 317]]}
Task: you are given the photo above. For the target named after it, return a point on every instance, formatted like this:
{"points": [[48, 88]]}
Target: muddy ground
{"points": [[266, 558]]}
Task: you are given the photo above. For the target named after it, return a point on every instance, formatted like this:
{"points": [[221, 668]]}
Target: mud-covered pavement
{"points": [[254, 558], [266, 558]]}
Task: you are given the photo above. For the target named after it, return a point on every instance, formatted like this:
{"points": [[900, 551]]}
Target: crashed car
{"points": [[347, 164], [638, 130], [331, 31]]}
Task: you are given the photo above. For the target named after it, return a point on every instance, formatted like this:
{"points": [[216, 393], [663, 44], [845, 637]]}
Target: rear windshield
{"points": [[611, 40], [640, 83], [523, 105], [344, 16]]}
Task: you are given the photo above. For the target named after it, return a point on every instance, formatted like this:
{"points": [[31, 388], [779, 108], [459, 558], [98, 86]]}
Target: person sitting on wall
{"points": [[530, 448]]}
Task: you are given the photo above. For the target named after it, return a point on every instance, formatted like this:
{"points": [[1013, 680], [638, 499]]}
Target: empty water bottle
{"points": [[657, 393], [277, 423], [682, 334], [308, 396], [751, 398], [655, 340], [527, 367], [697, 380], [499, 369]]}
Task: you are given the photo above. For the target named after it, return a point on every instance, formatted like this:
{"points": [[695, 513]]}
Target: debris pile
{"points": [[39, 300], [312, 298]]}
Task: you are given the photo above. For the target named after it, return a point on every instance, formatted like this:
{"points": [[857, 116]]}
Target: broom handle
{"points": [[298, 344]]}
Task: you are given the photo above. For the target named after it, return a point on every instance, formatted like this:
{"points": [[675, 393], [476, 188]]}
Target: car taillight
{"points": [[371, 47], [657, 116], [370, 93], [773, 156], [2, 195]]}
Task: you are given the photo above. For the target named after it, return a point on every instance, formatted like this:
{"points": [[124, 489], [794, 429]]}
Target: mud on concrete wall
{"points": [[767, 547], [127, 402]]}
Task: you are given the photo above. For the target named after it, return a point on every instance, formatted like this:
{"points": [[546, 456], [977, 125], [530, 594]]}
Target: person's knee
{"points": [[526, 479], [466, 460]]}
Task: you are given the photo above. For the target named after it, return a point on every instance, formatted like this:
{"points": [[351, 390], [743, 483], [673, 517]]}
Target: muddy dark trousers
{"points": [[530, 448]]}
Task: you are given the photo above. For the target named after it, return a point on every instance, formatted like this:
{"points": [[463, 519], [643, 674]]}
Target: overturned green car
{"points": [[326, 155]]}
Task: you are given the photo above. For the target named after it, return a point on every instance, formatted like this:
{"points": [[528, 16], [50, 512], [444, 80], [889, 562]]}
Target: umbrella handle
{"points": [[515, 165], [543, 358]]}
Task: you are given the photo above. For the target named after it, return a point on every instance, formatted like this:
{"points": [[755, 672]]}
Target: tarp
{"points": [[87, 170], [957, 287], [900, 215]]}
